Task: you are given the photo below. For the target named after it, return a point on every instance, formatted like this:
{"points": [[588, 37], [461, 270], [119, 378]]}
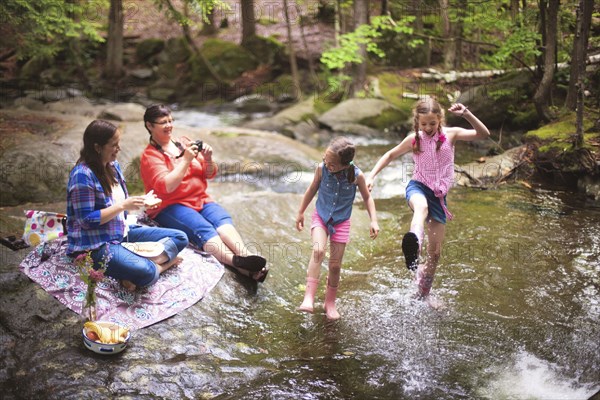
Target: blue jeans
{"points": [[126, 265], [199, 226]]}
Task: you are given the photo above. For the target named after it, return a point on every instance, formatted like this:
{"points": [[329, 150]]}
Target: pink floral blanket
{"points": [[177, 288]]}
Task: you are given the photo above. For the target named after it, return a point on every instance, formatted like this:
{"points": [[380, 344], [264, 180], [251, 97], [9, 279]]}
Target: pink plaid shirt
{"points": [[435, 168]]}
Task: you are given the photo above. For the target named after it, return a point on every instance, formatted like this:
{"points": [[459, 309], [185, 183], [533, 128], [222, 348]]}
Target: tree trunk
{"points": [[450, 44], [418, 13], [311, 64], [114, 47], [291, 51], [458, 30], [543, 5], [190, 41], [384, 7], [361, 9], [579, 53], [514, 10], [248, 20], [543, 91], [209, 27]]}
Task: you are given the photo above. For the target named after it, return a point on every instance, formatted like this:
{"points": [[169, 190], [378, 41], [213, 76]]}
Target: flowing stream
{"points": [[518, 284], [518, 287]]}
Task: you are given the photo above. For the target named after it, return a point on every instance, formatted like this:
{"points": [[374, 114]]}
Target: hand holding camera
{"points": [[197, 143]]}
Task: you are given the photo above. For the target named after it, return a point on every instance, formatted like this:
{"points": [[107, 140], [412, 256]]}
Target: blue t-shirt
{"points": [[336, 195]]}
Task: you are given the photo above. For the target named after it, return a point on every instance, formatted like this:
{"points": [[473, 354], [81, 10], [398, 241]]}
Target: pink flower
{"points": [[442, 138], [96, 276], [80, 258]]}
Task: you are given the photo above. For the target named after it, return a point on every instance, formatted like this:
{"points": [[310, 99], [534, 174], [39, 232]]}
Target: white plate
{"points": [[145, 249]]}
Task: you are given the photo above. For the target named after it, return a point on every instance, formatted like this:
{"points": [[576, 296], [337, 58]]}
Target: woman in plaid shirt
{"points": [[97, 206]]}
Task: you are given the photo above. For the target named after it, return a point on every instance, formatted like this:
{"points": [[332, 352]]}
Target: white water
{"points": [[528, 377]]}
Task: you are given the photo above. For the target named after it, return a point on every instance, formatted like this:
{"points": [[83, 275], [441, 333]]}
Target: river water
{"points": [[518, 288]]}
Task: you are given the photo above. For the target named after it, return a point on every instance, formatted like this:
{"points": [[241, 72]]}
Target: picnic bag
{"points": [[43, 226]]}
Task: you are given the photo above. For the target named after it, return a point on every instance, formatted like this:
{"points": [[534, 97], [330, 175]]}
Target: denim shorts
{"points": [[434, 207], [199, 226]]}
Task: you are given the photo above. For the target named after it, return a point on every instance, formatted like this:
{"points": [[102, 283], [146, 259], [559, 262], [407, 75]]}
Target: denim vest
{"points": [[336, 195]]}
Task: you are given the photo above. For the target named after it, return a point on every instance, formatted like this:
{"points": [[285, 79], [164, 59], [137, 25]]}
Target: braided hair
{"points": [[345, 150], [426, 106]]}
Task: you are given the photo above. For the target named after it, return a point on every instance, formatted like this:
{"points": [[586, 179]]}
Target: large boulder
{"points": [[42, 148], [372, 113], [123, 112]]}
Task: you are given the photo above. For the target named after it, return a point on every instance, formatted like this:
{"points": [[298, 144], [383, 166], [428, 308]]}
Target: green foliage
{"points": [[199, 7], [520, 41], [348, 51], [42, 28]]}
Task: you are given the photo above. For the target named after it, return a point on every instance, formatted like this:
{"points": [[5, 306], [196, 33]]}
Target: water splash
{"points": [[528, 377]]}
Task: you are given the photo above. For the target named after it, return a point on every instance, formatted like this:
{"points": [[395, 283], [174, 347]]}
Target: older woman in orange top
{"points": [[178, 170]]}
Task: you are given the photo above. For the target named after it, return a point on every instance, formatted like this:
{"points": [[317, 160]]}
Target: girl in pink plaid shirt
{"points": [[432, 147]]}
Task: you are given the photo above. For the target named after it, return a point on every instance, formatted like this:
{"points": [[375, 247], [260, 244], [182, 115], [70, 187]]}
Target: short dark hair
{"points": [[155, 111]]}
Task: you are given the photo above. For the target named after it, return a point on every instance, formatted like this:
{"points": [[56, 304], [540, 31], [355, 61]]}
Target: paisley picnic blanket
{"points": [[177, 288]]}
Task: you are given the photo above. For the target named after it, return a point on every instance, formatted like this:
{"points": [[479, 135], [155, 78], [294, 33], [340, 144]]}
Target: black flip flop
{"points": [[410, 248], [251, 263]]}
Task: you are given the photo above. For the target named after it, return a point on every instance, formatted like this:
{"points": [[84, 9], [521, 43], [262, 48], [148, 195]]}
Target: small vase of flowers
{"points": [[90, 276]]}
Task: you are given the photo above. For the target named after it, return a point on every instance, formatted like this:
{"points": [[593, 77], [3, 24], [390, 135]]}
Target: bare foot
{"points": [[308, 308], [332, 314], [163, 267], [128, 285]]}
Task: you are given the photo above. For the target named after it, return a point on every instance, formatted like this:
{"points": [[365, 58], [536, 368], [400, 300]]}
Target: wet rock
{"points": [[123, 112], [286, 118], [355, 112], [590, 185]]}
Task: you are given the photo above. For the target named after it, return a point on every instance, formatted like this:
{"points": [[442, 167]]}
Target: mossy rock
{"points": [[556, 134], [390, 118], [176, 51], [555, 143], [392, 88], [266, 49], [228, 60], [148, 48]]}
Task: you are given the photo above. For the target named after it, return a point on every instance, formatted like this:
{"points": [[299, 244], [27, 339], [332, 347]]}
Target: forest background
{"points": [[196, 52]]}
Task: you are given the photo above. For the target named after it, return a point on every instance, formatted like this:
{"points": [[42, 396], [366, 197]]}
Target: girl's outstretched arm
{"points": [[369, 204], [404, 147], [479, 132], [308, 196]]}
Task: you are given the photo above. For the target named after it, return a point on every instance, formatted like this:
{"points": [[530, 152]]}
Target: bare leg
{"points": [[319, 239], [163, 263], [426, 271], [216, 247], [232, 239]]}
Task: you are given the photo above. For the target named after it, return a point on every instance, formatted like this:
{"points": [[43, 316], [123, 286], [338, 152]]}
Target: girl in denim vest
{"points": [[432, 146], [336, 180]]}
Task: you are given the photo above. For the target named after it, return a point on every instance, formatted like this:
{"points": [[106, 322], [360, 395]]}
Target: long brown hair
{"points": [[426, 106], [98, 132], [345, 150]]}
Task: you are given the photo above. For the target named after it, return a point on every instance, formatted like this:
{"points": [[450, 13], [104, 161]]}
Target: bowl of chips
{"points": [[105, 337]]}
